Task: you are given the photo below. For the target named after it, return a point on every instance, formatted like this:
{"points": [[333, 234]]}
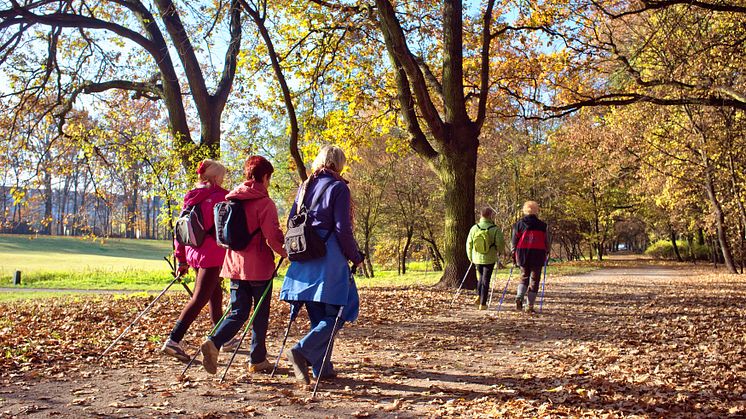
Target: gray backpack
{"points": [[189, 229]]}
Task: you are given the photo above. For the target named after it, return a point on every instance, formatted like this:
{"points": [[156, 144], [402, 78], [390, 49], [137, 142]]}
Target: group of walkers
{"points": [[529, 249], [321, 280], [322, 284]]}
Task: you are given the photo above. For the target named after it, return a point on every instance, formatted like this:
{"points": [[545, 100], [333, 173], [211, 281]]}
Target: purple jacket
{"points": [[332, 212], [209, 254]]}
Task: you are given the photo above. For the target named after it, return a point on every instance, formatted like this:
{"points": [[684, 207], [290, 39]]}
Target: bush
{"points": [[663, 249]]}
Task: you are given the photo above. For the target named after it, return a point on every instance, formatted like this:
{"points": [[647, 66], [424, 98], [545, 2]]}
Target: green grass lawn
{"points": [[71, 262], [122, 264]]}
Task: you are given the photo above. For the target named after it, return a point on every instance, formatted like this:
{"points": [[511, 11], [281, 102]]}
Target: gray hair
{"points": [[530, 208], [330, 157]]}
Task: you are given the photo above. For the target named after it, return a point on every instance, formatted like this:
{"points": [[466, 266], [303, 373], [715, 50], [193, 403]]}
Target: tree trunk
{"points": [[46, 223], [719, 219], [457, 172], [675, 246], [405, 250]]}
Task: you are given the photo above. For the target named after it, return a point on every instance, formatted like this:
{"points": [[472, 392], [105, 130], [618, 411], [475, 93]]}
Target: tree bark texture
{"points": [[722, 234], [451, 143]]}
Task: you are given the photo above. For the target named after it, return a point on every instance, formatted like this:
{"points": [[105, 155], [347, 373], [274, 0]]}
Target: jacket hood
{"points": [[484, 223], [197, 195], [248, 190]]}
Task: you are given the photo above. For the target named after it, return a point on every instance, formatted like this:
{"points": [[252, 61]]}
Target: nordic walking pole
{"points": [[458, 291], [251, 320], [541, 301], [294, 310], [326, 354], [214, 328], [139, 317], [502, 297]]}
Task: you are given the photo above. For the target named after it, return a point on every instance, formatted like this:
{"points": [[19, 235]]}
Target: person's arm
{"points": [[270, 226], [499, 241], [514, 242], [343, 223], [514, 238], [470, 245], [180, 254]]}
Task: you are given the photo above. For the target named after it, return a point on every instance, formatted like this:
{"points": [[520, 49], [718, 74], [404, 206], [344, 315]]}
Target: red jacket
{"points": [[256, 262], [209, 254]]}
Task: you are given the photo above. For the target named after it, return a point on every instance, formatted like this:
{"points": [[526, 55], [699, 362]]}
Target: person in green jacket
{"points": [[483, 246]]}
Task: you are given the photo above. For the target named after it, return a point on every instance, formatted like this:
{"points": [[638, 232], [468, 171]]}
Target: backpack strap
{"points": [[494, 242], [315, 201], [320, 194]]}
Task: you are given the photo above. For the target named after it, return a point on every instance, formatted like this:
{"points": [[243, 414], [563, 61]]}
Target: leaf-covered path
{"points": [[635, 339]]}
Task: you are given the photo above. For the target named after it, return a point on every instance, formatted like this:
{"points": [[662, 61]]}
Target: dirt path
{"points": [[634, 340]]}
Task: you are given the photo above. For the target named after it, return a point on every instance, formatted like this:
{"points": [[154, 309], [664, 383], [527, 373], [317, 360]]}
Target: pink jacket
{"points": [[209, 254], [256, 262]]}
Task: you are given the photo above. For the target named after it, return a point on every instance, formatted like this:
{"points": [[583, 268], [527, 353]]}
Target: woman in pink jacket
{"points": [[251, 270], [207, 259]]}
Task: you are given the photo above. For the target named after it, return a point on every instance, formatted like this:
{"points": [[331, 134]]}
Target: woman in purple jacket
{"points": [[206, 260], [324, 284]]}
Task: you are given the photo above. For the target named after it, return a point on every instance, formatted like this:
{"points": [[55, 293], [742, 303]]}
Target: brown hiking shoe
{"points": [[209, 356], [300, 366], [263, 366]]}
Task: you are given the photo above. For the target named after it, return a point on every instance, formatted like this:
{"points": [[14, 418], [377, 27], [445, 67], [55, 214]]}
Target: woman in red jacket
{"points": [[206, 260], [251, 269]]}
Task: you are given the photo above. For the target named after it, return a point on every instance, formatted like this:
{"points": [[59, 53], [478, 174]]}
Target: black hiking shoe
{"points": [[519, 304], [300, 366]]}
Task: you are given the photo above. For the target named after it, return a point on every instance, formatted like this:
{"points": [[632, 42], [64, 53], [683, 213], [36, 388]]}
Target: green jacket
{"points": [[496, 237]]}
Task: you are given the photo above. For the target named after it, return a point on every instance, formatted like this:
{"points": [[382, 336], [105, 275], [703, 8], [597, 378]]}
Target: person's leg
{"points": [[480, 285], [485, 281], [261, 322], [240, 310], [313, 346], [522, 288], [216, 299], [533, 289], [204, 288]]}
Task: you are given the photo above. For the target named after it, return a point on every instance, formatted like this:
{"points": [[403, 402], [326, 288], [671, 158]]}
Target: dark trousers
{"points": [[483, 286], [314, 344], [243, 295], [206, 289], [534, 274]]}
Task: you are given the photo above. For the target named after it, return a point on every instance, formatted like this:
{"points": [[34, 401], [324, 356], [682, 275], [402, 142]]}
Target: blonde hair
{"points": [[211, 172], [330, 157], [530, 208]]}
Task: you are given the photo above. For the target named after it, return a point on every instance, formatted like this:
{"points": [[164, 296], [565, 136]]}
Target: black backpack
{"points": [[231, 229], [189, 229], [302, 242]]}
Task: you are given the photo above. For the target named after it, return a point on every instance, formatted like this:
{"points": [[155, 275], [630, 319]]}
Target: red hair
{"points": [[256, 167]]}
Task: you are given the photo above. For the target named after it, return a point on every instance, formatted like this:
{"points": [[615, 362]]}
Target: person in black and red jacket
{"points": [[530, 248]]}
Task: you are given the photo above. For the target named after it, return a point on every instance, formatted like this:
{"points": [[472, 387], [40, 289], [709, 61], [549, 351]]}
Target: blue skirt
{"points": [[324, 280]]}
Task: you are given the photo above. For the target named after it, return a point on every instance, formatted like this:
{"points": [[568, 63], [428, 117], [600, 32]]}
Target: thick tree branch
{"points": [[432, 81], [484, 71], [723, 6], [453, 60], [187, 56], [67, 20], [418, 140], [397, 46], [231, 59], [287, 97]]}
